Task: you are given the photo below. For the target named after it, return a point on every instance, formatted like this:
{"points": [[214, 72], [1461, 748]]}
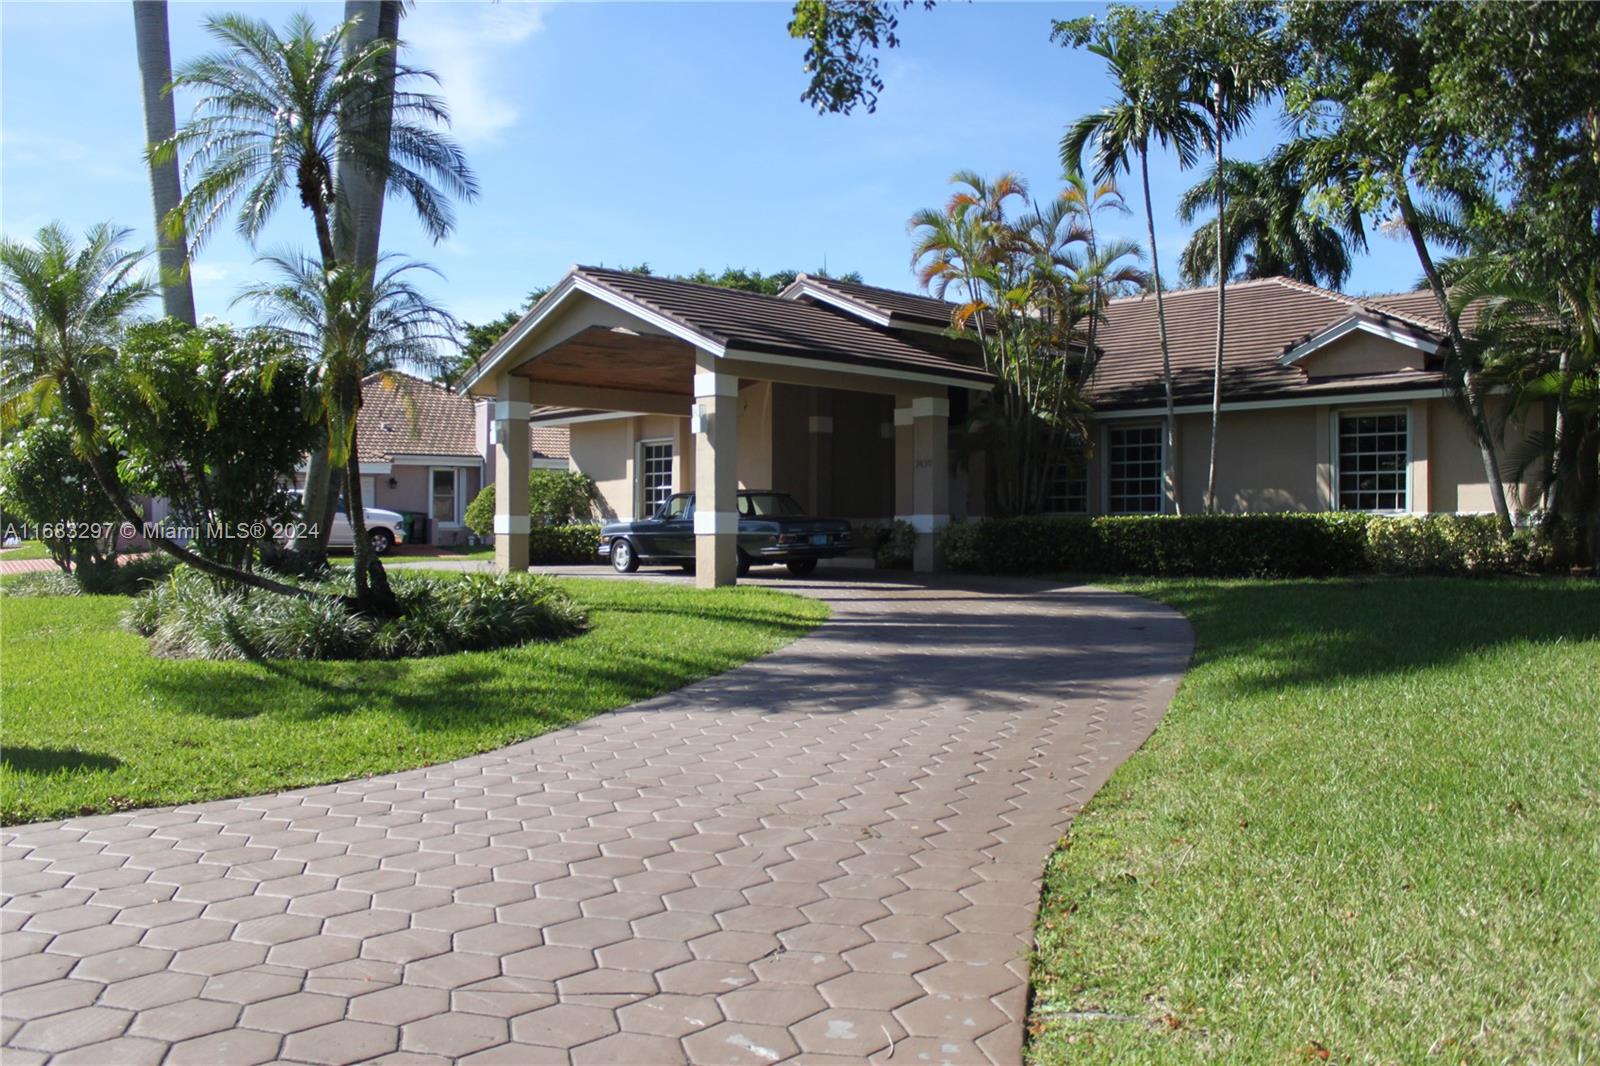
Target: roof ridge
{"points": [[686, 281], [826, 282], [1247, 283], [376, 374]]}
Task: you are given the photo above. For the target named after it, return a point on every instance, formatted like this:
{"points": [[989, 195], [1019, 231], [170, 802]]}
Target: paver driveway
{"points": [[832, 851]]}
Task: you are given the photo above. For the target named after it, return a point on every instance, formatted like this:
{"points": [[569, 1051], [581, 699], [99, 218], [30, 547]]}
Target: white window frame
{"points": [[1335, 417], [642, 509], [1083, 465], [1105, 467], [455, 474]]}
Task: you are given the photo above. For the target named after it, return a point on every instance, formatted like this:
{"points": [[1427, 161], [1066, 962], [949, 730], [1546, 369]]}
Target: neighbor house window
{"points": [[1067, 491], [655, 475], [1374, 453], [1133, 470], [445, 510]]}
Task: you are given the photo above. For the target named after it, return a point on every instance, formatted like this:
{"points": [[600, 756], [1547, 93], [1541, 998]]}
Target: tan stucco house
{"points": [[848, 396], [424, 450]]}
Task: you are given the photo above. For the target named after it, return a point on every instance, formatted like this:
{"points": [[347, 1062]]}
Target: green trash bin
{"points": [[416, 527]]}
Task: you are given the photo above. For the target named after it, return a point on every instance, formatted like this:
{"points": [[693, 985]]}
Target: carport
{"points": [[614, 341]]}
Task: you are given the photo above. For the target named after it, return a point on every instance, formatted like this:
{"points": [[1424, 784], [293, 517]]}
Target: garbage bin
{"points": [[416, 527]]}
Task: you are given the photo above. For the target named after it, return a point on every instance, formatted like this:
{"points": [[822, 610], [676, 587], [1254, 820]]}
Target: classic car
{"points": [[773, 528]]}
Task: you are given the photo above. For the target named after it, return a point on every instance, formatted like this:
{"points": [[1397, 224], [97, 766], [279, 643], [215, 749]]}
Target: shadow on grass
{"points": [[26, 760], [1313, 632]]}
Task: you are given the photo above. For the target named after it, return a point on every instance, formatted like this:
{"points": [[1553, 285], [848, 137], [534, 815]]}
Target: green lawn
{"points": [[1368, 830], [28, 549], [92, 722]]}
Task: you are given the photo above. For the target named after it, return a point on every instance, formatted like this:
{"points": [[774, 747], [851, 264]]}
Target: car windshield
{"points": [[769, 503]]}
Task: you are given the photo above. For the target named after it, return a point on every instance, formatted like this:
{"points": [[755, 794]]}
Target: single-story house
{"points": [[847, 396], [424, 450]]}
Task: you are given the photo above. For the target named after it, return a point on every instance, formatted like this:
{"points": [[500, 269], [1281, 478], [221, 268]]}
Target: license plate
{"points": [[819, 538]]}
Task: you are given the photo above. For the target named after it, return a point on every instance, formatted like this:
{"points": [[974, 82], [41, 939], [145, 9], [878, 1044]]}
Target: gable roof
{"points": [[1267, 319], [887, 306], [755, 322], [405, 415], [734, 321]]}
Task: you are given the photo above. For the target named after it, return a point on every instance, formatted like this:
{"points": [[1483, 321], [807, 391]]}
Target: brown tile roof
{"points": [[891, 302], [405, 415], [1266, 318], [772, 325], [551, 442]]}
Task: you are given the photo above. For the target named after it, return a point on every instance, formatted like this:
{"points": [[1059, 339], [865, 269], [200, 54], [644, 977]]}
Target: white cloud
{"points": [[466, 45], [49, 152]]}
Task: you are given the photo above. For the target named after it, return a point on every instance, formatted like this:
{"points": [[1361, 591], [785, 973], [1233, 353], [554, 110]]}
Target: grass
{"points": [[28, 549], [1368, 830], [93, 722]]}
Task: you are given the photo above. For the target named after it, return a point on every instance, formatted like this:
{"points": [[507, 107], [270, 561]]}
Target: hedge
{"points": [[1252, 545], [557, 545]]}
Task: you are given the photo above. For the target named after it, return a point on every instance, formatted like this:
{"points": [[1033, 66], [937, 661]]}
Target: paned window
{"points": [[655, 476], [1373, 454], [1133, 470]]}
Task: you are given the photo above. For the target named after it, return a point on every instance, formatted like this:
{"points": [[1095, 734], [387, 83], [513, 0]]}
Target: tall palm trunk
{"points": [[357, 223], [1222, 316], [1176, 478], [160, 122], [1472, 388]]}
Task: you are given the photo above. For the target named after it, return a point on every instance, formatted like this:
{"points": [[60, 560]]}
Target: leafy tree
{"points": [[1150, 108], [1270, 228], [1362, 89], [344, 322], [842, 38], [287, 112], [63, 309], [212, 419], [1017, 270], [48, 485]]}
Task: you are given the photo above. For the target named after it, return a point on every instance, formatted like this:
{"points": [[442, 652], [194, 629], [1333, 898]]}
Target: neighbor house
{"points": [[424, 450], [854, 399]]}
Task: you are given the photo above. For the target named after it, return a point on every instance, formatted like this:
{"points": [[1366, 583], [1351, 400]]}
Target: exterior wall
{"points": [[1360, 352], [413, 492], [1456, 477], [754, 436], [1266, 460], [774, 450], [1285, 459]]}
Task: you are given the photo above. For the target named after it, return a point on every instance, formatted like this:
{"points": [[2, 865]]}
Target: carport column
{"points": [[927, 468], [716, 486], [512, 453]]}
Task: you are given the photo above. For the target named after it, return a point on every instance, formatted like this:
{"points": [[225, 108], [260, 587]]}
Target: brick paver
{"points": [[832, 851]]}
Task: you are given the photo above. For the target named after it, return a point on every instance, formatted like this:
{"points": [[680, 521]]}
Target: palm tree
{"points": [[1228, 65], [1149, 108], [155, 71], [1539, 335], [281, 112], [1268, 226], [358, 215], [348, 322], [62, 310]]}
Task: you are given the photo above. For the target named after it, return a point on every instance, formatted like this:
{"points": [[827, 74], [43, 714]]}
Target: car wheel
{"points": [[381, 540], [802, 567], [623, 558]]}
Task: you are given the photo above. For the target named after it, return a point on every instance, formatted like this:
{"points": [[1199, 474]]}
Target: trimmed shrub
{"points": [[555, 498], [1453, 544], [891, 543], [190, 617], [1269, 545], [1250, 545], [563, 545]]}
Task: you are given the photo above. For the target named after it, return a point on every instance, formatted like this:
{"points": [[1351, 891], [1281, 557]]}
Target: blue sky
{"points": [[670, 133]]}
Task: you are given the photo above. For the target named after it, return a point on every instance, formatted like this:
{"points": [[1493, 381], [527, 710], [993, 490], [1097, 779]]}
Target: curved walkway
{"points": [[830, 854]]}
